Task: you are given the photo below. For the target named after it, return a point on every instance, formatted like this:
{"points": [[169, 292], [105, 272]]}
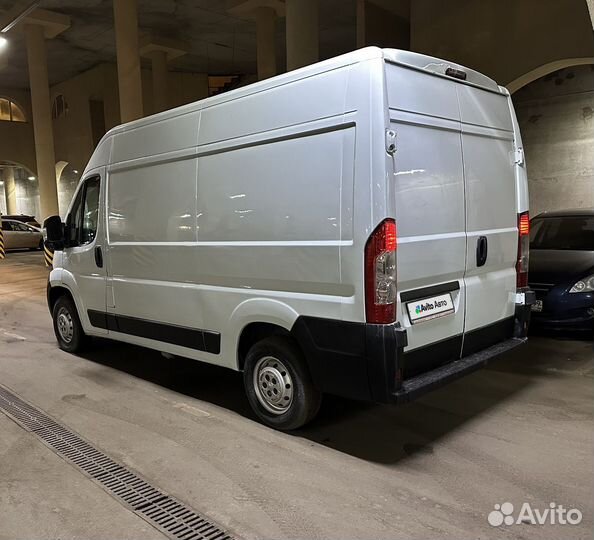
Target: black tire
{"points": [[64, 313], [41, 245], [289, 376]]}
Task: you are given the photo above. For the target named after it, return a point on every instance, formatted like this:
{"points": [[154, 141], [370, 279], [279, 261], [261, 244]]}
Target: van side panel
{"points": [[256, 212], [428, 186], [271, 193]]}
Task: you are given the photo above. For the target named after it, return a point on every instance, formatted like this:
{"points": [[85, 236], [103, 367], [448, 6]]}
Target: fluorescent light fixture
{"points": [[30, 178], [20, 16]]}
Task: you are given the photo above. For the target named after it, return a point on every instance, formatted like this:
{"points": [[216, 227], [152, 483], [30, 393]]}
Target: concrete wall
{"points": [[556, 116], [16, 138], [386, 23], [502, 38], [27, 192], [73, 132]]}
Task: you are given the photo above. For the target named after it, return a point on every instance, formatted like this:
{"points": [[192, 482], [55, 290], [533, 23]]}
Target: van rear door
{"points": [[428, 186], [491, 215]]}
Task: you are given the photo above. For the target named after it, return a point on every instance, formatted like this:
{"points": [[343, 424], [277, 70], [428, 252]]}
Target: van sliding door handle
{"points": [[481, 250], [98, 257]]}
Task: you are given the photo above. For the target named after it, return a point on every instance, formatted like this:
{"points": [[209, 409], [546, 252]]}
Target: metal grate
{"points": [[170, 516]]}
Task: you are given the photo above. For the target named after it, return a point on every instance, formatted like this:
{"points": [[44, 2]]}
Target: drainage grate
{"points": [[170, 516]]}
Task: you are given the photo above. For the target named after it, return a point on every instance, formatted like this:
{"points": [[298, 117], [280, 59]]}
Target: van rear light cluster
{"points": [[523, 250], [380, 274]]}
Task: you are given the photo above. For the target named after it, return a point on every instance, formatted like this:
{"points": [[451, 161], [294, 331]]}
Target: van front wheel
{"points": [[67, 327], [278, 385]]}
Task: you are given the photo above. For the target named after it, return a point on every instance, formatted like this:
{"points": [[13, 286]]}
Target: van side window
{"points": [[83, 217], [90, 214], [73, 219]]}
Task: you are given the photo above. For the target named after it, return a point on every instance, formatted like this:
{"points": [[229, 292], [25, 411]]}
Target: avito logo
{"points": [[428, 306], [423, 307], [555, 514]]}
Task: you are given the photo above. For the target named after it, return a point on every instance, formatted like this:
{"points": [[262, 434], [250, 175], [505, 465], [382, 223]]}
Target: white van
{"points": [[357, 227]]}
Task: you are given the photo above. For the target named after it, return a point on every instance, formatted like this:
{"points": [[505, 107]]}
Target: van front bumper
{"points": [[367, 361]]}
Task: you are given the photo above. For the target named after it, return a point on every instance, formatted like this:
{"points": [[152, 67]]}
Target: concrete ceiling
{"points": [[219, 43]]}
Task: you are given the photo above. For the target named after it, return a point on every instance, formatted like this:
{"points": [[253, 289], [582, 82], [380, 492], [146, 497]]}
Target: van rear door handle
{"points": [[98, 257], [481, 250]]}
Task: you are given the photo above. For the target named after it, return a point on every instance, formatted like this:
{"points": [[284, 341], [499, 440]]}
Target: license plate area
{"points": [[430, 308]]}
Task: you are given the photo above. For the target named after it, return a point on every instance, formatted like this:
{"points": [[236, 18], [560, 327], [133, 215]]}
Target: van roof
{"points": [[438, 66], [435, 66]]}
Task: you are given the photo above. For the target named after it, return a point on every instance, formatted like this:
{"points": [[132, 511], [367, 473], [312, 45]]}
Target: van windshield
{"points": [[569, 232]]}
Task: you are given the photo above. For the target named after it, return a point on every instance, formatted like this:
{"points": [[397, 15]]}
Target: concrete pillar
{"points": [[129, 81], [160, 51], [264, 13], [266, 42], [302, 33], [160, 73], [42, 120], [360, 24], [10, 190]]}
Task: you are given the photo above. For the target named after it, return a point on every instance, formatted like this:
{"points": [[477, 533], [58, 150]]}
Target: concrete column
{"points": [[160, 51], [42, 120], [129, 81], [266, 42], [160, 73], [10, 190], [302, 33], [360, 24]]}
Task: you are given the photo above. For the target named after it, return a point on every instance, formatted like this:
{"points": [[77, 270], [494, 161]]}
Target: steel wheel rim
{"points": [[65, 325], [273, 385]]}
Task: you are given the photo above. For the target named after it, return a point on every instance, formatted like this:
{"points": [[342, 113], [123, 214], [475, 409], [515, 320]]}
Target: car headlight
{"points": [[583, 285]]}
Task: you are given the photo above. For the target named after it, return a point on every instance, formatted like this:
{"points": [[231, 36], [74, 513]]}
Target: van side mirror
{"points": [[53, 233]]}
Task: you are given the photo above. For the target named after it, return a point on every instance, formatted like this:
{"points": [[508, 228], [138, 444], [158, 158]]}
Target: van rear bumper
{"points": [[425, 382], [367, 361]]}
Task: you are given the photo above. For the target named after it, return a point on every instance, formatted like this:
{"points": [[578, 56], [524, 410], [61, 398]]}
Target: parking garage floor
{"points": [[518, 431]]}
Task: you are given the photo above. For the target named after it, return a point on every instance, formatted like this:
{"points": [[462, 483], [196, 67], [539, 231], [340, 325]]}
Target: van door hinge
{"points": [[519, 156], [390, 141]]}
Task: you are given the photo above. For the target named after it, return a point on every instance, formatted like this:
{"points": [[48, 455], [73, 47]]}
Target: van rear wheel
{"points": [[67, 327], [278, 384]]}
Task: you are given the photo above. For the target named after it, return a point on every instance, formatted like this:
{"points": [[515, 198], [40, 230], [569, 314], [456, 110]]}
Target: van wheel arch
{"points": [[255, 332], [56, 292]]}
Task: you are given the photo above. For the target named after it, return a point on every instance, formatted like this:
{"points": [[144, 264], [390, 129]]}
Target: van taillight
{"points": [[380, 274], [523, 250]]}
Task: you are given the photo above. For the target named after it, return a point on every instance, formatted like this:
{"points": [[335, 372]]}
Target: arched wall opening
{"points": [[546, 69], [67, 178], [19, 189], [556, 116]]}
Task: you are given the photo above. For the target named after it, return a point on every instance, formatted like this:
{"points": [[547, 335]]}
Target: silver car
{"points": [[18, 235]]}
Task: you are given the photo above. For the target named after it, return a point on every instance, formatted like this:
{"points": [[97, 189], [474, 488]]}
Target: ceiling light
{"points": [[30, 178], [20, 15], [3, 42]]}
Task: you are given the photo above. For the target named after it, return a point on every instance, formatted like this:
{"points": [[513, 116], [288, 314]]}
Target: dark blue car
{"points": [[562, 270]]}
